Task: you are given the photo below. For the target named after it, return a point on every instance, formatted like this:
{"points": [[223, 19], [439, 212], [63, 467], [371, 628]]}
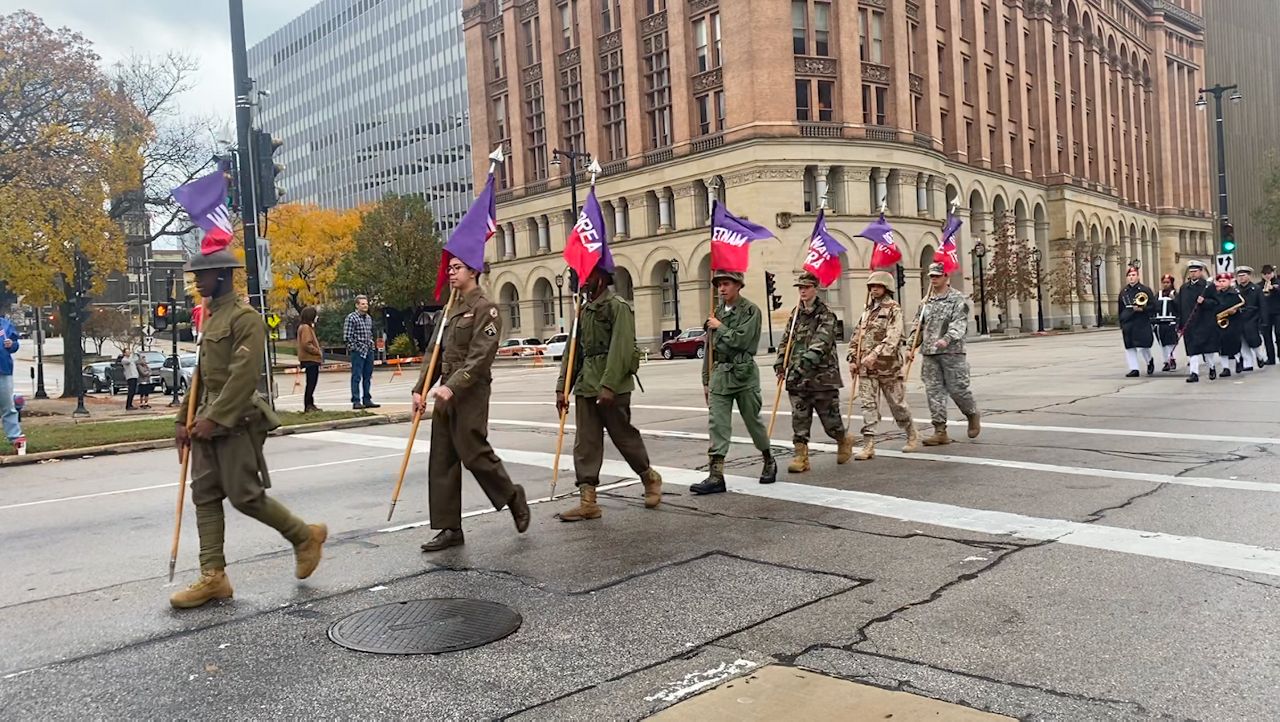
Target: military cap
{"points": [[937, 269], [728, 276], [806, 279], [1244, 269], [881, 278], [218, 259], [1197, 264]]}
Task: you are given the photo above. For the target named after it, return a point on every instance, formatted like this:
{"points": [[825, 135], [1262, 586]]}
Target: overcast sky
{"points": [[118, 28]]}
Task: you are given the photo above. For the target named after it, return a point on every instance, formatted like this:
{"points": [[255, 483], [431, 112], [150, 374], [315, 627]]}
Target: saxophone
{"points": [[1224, 316]]}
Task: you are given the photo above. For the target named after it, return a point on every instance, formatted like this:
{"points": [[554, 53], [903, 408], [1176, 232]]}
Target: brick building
{"points": [[1071, 121]]}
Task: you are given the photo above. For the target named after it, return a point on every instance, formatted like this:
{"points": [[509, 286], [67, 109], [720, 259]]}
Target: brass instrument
{"points": [[1140, 301], [1267, 286], [1223, 316]]}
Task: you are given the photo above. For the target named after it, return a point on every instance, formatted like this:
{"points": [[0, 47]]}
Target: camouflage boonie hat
{"points": [[881, 278], [806, 279], [218, 259], [937, 269], [729, 276]]}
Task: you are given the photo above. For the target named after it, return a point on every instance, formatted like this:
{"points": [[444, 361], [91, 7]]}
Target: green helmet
{"points": [[728, 276], [217, 259]]}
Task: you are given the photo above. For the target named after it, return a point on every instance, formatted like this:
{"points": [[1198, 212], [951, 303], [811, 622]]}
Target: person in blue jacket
{"points": [[8, 410]]}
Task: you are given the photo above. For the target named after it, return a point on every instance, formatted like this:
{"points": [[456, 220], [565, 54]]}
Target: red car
{"points": [[689, 344]]}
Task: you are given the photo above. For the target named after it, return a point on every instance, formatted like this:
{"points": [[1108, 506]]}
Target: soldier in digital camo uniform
{"points": [[943, 323], [812, 373], [880, 365]]}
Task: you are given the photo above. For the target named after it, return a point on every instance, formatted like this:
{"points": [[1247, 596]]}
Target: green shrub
{"points": [[403, 346]]}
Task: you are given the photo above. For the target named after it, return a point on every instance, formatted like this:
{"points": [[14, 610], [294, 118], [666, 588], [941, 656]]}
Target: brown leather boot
{"points": [[868, 449], [800, 463], [844, 449], [975, 425], [913, 439], [652, 481], [939, 437], [586, 508], [308, 552], [212, 584]]}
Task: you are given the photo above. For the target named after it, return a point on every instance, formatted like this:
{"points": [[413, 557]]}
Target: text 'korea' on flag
{"points": [[823, 257], [948, 254], [731, 239], [468, 239], [586, 247], [205, 200], [886, 252]]}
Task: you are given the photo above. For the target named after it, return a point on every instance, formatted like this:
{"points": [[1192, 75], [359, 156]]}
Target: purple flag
{"points": [[468, 239], [205, 200], [886, 252], [586, 248], [823, 258], [730, 237]]}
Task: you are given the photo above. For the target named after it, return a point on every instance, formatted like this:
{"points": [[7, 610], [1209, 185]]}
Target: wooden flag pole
{"points": [[192, 400], [568, 384], [786, 363]]}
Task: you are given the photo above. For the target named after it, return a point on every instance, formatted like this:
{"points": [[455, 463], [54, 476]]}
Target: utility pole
{"points": [[244, 119], [173, 329], [1217, 92]]}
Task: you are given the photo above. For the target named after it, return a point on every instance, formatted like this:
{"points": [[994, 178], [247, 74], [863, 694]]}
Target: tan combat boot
{"points": [[975, 425], [308, 552], [212, 584], [939, 437], [868, 449], [586, 508], [800, 463], [913, 439], [652, 488], [844, 449]]}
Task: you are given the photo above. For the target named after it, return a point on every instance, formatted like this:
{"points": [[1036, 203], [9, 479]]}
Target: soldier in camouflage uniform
{"points": [[812, 373], [225, 441], [939, 333], [733, 333], [877, 358]]}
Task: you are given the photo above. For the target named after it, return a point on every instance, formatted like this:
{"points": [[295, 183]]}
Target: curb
{"points": [[130, 447]]}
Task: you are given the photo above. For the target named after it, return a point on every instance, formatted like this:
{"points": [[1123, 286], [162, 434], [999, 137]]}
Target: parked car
{"points": [[115, 372], [96, 378], [689, 344], [521, 347], [164, 377], [556, 345]]}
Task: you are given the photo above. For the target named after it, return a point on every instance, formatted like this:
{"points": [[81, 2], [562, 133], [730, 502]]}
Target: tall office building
{"points": [[1242, 47], [369, 96], [1070, 123]]}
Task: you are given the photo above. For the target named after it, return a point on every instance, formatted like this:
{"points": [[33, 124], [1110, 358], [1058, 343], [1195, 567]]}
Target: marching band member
{"points": [[1135, 323], [1197, 304], [1229, 321], [1251, 354], [1166, 322], [1270, 312]]}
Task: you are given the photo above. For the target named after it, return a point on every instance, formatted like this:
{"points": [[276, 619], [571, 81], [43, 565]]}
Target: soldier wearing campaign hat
{"points": [[730, 376], [808, 365], [1197, 311], [939, 333], [877, 357]]}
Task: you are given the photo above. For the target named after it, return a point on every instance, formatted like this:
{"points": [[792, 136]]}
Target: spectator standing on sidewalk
{"points": [[357, 331], [130, 367], [310, 356], [144, 382], [8, 410]]}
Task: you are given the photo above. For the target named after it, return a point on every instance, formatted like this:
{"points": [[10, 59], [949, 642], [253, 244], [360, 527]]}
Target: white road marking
{"points": [[1155, 545], [697, 681]]}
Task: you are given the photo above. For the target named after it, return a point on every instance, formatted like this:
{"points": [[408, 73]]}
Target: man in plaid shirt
{"points": [[357, 331]]}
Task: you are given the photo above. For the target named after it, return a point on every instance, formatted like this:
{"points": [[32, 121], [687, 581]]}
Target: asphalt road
{"points": [[1106, 549]]}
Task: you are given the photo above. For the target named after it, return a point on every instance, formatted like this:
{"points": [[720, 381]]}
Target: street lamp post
{"points": [[675, 291], [1217, 92], [574, 157], [979, 252], [40, 392], [1097, 288], [1035, 256], [560, 298]]}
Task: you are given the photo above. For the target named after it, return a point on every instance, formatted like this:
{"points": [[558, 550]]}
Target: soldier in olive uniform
{"points": [[812, 373], [939, 333], [460, 417], [231, 425], [604, 370], [734, 331], [877, 358]]}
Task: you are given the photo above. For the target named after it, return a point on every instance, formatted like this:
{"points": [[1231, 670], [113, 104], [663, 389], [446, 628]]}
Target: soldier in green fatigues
{"points": [[231, 425], [939, 334], [460, 417], [734, 331], [812, 373], [605, 364]]}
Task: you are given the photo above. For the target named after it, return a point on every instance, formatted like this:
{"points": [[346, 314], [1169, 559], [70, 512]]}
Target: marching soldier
{"points": [[1166, 322], [602, 384], [1197, 305], [231, 425], [812, 374], [460, 417], [877, 358], [1135, 308], [735, 333], [1251, 353], [939, 333]]}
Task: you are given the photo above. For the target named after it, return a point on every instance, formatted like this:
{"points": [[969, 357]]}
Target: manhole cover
{"points": [[425, 626]]}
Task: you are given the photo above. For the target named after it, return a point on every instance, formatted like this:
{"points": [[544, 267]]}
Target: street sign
{"points": [[273, 320], [266, 280], [1226, 263]]}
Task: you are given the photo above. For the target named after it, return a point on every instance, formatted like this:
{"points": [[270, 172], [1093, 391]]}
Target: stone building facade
{"points": [[1070, 121]]}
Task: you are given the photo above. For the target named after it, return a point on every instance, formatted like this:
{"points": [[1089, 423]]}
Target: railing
{"points": [[820, 130], [661, 155], [924, 140], [888, 134], [614, 167], [709, 142]]}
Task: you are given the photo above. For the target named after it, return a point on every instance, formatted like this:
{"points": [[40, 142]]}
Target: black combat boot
{"points": [[769, 473], [1151, 367], [1193, 379], [1132, 374], [714, 483]]}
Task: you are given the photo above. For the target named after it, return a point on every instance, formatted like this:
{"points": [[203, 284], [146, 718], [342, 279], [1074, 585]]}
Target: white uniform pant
{"points": [[1131, 355], [1166, 354], [1252, 357], [1193, 362]]}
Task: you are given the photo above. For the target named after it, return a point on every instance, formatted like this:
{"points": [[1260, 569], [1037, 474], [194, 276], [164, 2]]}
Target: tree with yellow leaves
{"points": [[307, 243]]}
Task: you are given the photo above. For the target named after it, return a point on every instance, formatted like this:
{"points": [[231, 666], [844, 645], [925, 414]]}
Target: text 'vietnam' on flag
{"points": [[823, 258], [731, 239], [587, 247], [205, 200], [468, 239], [948, 254], [886, 252]]}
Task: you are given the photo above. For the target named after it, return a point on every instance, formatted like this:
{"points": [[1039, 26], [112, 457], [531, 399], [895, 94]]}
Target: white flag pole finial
{"points": [[822, 202], [496, 157], [884, 205], [955, 203], [594, 169]]}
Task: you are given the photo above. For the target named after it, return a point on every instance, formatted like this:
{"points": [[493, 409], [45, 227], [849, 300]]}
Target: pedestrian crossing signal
{"points": [[160, 317]]}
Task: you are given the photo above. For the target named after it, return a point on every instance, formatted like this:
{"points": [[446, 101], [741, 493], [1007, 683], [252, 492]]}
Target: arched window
{"points": [[510, 300]]}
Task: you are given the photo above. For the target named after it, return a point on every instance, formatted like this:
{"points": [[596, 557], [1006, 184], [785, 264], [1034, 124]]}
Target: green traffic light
{"points": [[1228, 246]]}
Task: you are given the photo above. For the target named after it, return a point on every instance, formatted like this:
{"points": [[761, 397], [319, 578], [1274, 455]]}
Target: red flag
{"points": [[585, 248]]}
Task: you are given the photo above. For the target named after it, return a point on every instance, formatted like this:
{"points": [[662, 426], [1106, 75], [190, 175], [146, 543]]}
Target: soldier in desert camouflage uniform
{"points": [[812, 373], [942, 324], [877, 358]]}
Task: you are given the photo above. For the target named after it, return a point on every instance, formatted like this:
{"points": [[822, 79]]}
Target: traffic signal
{"points": [[160, 317], [769, 286], [902, 277], [776, 300], [1228, 238], [264, 148]]}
